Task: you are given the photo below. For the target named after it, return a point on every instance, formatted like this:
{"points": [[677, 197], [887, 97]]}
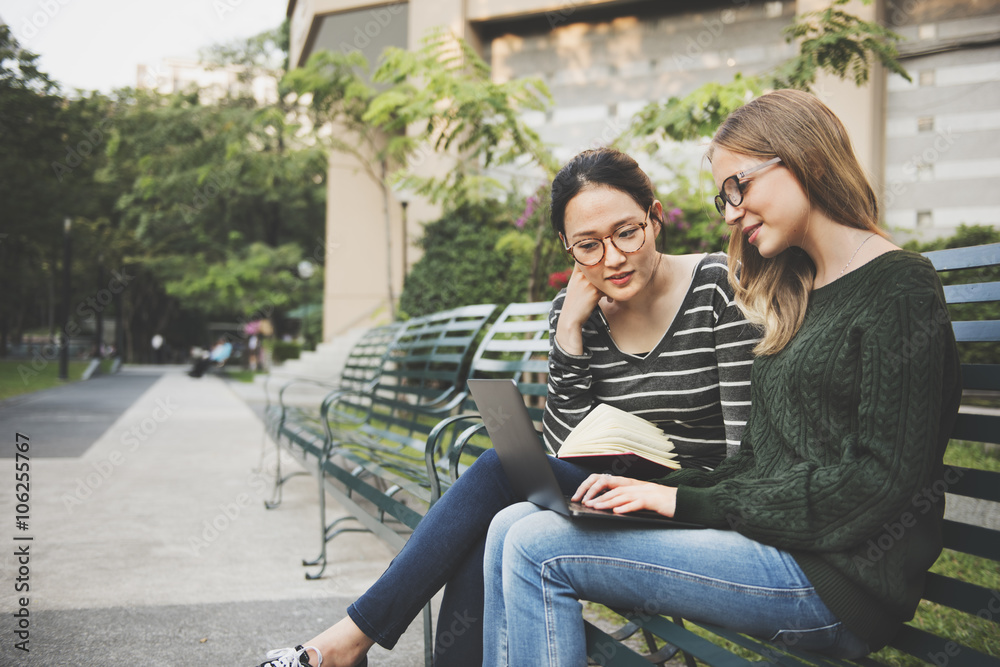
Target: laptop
{"points": [[516, 442]]}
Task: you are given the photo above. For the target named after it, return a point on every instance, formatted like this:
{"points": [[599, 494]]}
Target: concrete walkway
{"points": [[149, 540]]}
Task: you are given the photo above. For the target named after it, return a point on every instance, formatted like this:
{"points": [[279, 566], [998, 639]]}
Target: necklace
{"points": [[858, 249]]}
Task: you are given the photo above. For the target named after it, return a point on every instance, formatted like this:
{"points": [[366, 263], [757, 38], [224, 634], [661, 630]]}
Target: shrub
{"points": [[462, 265], [285, 350]]}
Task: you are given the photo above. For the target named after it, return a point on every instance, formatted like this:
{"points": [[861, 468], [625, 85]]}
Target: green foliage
{"points": [[461, 264], [283, 350], [248, 279], [969, 235], [839, 43], [695, 115], [204, 207], [445, 90]]}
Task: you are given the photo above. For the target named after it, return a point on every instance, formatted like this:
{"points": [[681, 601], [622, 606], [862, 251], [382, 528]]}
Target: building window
{"points": [[925, 124]]}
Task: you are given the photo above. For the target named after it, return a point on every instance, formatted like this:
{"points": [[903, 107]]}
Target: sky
{"points": [[98, 44]]}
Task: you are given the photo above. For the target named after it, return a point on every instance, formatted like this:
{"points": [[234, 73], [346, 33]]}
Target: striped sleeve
{"points": [[569, 387]]}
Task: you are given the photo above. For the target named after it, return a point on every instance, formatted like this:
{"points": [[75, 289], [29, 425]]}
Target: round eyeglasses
{"points": [[627, 239], [732, 188]]}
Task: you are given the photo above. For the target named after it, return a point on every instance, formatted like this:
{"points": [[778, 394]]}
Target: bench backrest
{"points": [[422, 377], [976, 264], [364, 362], [516, 347]]}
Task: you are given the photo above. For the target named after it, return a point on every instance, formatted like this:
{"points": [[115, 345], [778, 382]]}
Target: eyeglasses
{"points": [[627, 239], [732, 188]]}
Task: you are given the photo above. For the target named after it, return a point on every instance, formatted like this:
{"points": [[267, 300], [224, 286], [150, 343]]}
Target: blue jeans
{"points": [[539, 564], [446, 550]]}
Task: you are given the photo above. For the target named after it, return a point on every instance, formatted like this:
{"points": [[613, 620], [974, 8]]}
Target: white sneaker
{"points": [[291, 657]]}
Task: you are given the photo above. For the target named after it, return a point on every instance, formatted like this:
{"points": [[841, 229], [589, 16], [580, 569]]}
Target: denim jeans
{"points": [[539, 564], [446, 549]]}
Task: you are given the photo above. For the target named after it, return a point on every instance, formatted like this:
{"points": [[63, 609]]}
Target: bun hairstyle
{"points": [[599, 167], [814, 146]]}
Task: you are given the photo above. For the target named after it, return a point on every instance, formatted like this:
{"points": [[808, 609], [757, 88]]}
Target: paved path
{"points": [[149, 540], [64, 421]]}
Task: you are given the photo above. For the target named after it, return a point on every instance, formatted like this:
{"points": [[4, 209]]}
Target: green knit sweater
{"points": [[840, 463]]}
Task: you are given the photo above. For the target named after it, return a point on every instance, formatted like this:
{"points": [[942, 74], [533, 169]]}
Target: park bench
{"points": [[291, 415], [981, 604], [400, 384]]}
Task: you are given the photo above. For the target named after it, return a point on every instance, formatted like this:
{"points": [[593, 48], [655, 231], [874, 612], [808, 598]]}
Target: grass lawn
{"points": [[22, 376], [241, 374]]}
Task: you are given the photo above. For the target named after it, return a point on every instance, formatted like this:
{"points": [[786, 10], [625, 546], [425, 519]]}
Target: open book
{"points": [[621, 443]]}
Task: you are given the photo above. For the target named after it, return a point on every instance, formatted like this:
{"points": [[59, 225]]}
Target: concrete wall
{"points": [[602, 69], [943, 127]]}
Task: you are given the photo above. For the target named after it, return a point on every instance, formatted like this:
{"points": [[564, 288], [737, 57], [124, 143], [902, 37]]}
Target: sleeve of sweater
{"points": [[887, 457], [569, 398], [734, 342]]}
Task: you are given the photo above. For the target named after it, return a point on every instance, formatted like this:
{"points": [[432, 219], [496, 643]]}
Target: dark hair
{"points": [[598, 167]]}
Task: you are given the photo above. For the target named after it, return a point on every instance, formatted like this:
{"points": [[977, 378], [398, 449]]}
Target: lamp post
{"points": [[64, 336], [306, 271], [406, 266], [99, 324]]}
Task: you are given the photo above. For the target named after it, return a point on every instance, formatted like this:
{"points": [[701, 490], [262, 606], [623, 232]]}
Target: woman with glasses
{"points": [[818, 531], [654, 334]]}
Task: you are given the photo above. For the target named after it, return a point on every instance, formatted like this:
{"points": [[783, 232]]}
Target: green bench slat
{"points": [[961, 595], [938, 650], [540, 346], [511, 366], [406, 515], [972, 293], [424, 358], [974, 540], [536, 308], [986, 331], [772, 653], [532, 389], [977, 427], [982, 377], [973, 257], [983, 484], [688, 641]]}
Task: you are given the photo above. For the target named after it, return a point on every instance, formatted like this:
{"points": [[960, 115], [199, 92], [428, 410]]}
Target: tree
{"points": [[234, 188], [49, 149], [438, 98]]}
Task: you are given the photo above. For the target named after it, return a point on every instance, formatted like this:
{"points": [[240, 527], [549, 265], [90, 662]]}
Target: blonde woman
{"points": [[843, 432]]}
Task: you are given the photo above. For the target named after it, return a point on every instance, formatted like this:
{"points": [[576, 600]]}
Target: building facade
{"points": [[932, 146]]}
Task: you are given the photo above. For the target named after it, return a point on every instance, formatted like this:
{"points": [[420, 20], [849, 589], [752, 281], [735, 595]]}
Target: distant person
{"points": [[253, 345], [218, 356], [157, 344]]}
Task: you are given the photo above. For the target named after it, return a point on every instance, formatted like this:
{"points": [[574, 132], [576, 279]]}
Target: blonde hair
{"points": [[815, 147]]}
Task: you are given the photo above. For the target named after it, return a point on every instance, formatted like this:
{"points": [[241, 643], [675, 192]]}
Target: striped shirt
{"points": [[694, 385]]}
